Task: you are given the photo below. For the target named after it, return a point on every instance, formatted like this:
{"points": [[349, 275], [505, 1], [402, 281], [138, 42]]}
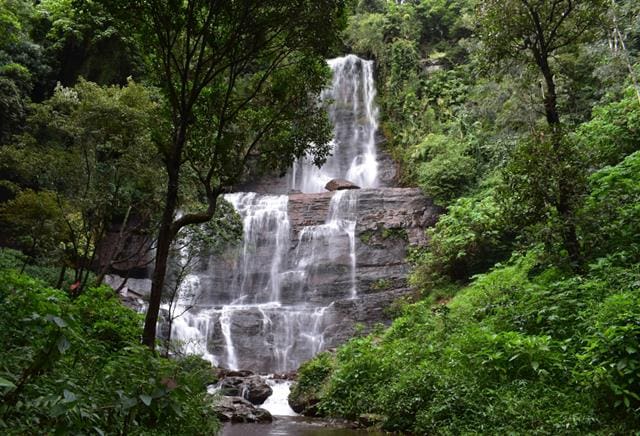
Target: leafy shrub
{"points": [[448, 174], [76, 366], [312, 377], [467, 240], [611, 214], [521, 350], [612, 352], [354, 384], [613, 132]]}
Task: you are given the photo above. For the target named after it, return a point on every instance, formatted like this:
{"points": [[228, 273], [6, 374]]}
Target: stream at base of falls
{"points": [[294, 426]]}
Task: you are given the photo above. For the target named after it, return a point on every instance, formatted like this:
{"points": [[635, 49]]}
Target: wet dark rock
{"points": [[305, 404], [223, 372], [231, 386], [340, 184], [252, 388], [256, 390], [237, 409], [289, 376], [370, 420]]}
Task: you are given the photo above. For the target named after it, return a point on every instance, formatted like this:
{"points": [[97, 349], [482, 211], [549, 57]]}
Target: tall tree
{"points": [[241, 80], [536, 31], [83, 147]]}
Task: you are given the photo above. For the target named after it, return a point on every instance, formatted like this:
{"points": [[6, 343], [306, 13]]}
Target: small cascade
{"points": [[268, 304], [324, 245], [277, 404], [354, 116], [266, 240]]}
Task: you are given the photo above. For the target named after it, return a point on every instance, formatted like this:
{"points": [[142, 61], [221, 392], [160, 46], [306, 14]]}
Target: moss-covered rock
{"points": [[307, 392]]}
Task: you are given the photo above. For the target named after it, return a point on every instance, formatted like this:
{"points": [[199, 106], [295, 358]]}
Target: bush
{"points": [[467, 240], [448, 174], [610, 218], [310, 387], [613, 131], [522, 350], [76, 366], [612, 353]]}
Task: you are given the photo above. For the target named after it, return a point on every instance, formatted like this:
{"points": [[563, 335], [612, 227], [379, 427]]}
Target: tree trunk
{"points": [[165, 238], [569, 233], [63, 270], [550, 97]]}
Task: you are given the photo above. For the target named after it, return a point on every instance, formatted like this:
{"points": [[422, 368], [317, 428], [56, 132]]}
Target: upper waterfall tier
{"points": [[354, 115]]}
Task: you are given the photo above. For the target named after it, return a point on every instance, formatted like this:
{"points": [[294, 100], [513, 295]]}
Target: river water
{"points": [[293, 426]]}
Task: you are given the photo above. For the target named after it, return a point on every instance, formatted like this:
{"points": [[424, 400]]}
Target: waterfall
{"points": [[267, 304], [354, 116]]}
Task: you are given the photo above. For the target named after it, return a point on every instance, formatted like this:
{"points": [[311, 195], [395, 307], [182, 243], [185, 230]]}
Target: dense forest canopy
{"points": [[126, 122]]}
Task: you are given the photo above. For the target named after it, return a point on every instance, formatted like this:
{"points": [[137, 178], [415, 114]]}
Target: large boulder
{"points": [[340, 184], [256, 390], [237, 409], [252, 388], [304, 402]]}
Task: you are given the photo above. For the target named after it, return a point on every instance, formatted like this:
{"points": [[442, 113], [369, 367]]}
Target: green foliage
{"points": [[448, 173], [516, 27], [90, 154], [611, 356], [467, 240], [545, 181], [515, 352], [381, 284], [312, 375], [543, 343], [50, 274], [613, 131], [34, 223], [214, 236], [77, 367], [84, 40], [611, 213]]}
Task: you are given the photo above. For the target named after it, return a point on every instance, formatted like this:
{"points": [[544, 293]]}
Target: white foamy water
{"points": [[277, 403]]}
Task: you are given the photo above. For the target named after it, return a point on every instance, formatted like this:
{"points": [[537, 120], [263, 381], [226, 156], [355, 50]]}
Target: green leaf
{"points": [[69, 397], [63, 344], [128, 403], [57, 321], [4, 383], [535, 365], [146, 399]]}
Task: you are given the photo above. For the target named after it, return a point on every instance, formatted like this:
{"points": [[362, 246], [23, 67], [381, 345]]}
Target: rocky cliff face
{"points": [[389, 220], [313, 268]]}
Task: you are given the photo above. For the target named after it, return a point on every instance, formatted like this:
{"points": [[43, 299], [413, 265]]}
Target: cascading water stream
{"points": [[354, 116], [264, 305]]}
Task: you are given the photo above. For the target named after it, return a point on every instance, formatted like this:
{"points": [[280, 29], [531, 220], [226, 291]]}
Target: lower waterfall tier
{"points": [[311, 269]]}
